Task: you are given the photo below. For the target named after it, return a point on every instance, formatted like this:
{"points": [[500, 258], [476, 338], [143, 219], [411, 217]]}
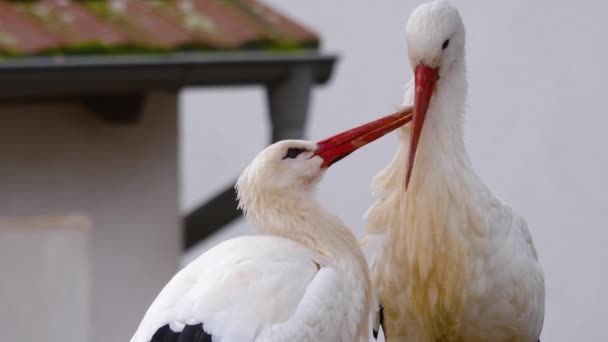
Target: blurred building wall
{"points": [[535, 128], [45, 287], [58, 158]]}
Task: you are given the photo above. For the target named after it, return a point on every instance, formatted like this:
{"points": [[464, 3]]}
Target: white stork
{"points": [[305, 280], [453, 262]]}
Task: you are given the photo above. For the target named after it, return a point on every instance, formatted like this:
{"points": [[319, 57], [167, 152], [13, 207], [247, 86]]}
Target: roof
{"points": [[62, 27], [59, 48]]}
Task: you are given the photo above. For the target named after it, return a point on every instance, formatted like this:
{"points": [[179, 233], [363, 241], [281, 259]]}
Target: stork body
{"points": [[455, 263], [306, 279]]}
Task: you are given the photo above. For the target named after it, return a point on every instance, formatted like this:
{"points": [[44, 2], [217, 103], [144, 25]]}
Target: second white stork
{"points": [[306, 279], [454, 263]]}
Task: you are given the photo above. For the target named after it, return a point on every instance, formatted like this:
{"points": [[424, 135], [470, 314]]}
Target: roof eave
{"points": [[43, 77]]}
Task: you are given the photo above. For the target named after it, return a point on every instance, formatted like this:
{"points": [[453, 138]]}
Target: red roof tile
{"points": [[278, 23], [222, 21], [74, 24], [21, 34], [144, 25]]}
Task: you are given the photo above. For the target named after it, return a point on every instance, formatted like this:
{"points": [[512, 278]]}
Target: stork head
{"points": [[435, 37], [284, 167], [291, 168]]}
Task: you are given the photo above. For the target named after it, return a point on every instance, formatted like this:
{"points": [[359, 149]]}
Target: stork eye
{"points": [[293, 153], [445, 44]]}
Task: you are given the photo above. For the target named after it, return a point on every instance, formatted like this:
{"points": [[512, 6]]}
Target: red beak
{"points": [[425, 79], [340, 145]]}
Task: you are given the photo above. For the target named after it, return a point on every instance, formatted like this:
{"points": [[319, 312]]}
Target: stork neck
{"points": [[300, 218]]}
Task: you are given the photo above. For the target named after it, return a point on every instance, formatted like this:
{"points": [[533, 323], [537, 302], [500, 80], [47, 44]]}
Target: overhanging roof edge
{"points": [[87, 75]]}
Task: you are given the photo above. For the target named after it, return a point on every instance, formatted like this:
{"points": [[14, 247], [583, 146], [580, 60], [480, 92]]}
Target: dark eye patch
{"points": [[293, 153], [445, 44]]}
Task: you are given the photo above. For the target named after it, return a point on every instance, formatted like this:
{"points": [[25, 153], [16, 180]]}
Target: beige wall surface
{"points": [[44, 278], [58, 158]]}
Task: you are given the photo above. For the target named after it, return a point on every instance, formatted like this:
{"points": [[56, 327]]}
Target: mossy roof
{"points": [[115, 27]]}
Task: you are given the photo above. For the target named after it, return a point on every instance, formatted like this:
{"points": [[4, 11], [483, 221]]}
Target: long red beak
{"points": [[425, 79], [340, 145]]}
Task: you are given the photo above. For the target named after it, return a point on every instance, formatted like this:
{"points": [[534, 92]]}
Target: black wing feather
{"points": [[194, 333], [380, 322], [165, 334], [191, 333]]}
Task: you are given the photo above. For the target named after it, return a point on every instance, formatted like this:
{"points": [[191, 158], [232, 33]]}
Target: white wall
{"points": [[535, 128], [46, 260], [58, 158]]}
